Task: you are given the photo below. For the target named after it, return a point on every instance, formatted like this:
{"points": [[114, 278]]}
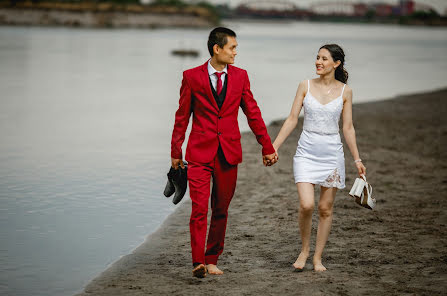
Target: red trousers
{"points": [[224, 177]]}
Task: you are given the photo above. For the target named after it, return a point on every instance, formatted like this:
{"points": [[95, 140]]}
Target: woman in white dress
{"points": [[319, 158]]}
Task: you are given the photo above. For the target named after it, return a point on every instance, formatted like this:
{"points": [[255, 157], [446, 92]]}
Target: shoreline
{"points": [[398, 248]]}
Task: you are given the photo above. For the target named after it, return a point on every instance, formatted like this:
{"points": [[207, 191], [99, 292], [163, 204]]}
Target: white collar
{"points": [[211, 69]]}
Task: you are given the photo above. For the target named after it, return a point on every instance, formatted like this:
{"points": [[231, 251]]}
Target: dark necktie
{"points": [[219, 82]]}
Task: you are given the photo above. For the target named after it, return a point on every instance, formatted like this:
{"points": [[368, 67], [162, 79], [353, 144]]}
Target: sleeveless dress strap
{"points": [[308, 85], [343, 90]]}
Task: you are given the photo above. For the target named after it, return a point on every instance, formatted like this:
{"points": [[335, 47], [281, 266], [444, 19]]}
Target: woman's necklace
{"points": [[329, 91]]}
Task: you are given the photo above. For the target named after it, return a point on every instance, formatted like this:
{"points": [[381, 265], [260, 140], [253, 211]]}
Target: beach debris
{"points": [[185, 52]]}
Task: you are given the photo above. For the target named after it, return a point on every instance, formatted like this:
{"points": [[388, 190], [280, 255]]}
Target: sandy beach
{"points": [[400, 248]]}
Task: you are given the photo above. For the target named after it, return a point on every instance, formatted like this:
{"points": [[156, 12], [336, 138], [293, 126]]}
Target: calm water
{"points": [[86, 117]]}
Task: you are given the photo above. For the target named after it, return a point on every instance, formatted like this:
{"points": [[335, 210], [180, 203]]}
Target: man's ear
{"points": [[216, 49]]}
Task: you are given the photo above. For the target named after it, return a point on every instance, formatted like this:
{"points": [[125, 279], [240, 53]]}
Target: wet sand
{"points": [[400, 248]]}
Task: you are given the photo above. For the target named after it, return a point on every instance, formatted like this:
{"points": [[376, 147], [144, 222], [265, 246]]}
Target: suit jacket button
{"points": [[219, 133], [220, 117]]}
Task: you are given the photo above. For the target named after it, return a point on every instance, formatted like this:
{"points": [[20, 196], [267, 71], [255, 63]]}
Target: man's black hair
{"points": [[219, 36]]}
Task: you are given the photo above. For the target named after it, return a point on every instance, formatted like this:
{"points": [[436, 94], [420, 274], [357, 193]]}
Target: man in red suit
{"points": [[213, 93]]}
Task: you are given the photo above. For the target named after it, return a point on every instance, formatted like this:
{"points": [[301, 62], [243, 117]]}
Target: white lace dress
{"points": [[319, 157]]}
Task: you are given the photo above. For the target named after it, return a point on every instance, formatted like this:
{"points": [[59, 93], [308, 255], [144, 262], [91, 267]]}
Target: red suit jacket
{"points": [[211, 126]]}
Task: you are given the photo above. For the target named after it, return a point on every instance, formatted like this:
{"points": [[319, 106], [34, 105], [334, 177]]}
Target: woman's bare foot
{"points": [[301, 261], [212, 269], [318, 266]]}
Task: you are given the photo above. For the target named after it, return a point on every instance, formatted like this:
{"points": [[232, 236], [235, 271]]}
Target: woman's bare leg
{"points": [[307, 203], [325, 207]]}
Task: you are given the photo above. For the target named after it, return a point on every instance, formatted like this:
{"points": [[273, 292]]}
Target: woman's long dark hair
{"points": [[338, 54]]}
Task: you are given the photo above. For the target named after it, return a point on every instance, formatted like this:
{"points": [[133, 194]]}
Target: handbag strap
{"points": [[367, 185], [363, 177]]}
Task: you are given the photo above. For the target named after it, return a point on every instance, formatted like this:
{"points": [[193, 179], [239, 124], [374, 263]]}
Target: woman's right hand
{"points": [[360, 168]]}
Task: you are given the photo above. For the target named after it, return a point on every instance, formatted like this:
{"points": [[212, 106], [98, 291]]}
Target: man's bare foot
{"points": [[318, 266], [199, 271], [300, 261], [212, 269]]}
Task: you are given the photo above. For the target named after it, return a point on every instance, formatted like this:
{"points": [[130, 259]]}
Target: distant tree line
{"points": [[153, 3], [202, 8]]}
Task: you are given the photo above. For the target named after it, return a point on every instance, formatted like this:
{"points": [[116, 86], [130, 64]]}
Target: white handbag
{"points": [[362, 193]]}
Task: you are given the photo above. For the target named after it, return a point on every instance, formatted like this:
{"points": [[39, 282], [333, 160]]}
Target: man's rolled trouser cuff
{"points": [[211, 259]]}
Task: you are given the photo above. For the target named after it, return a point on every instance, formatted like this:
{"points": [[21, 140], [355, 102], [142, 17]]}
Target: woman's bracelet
{"points": [[358, 160]]}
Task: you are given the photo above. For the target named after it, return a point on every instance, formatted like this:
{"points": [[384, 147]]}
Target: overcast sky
{"points": [[439, 5]]}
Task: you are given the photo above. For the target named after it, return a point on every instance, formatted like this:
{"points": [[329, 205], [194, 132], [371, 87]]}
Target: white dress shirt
{"points": [[213, 77]]}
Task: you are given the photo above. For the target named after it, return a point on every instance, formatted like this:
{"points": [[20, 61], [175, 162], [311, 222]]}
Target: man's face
{"points": [[226, 54]]}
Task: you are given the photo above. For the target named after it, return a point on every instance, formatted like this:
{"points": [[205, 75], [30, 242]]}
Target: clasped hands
{"points": [[270, 159]]}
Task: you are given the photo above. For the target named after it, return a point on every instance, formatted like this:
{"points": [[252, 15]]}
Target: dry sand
{"points": [[400, 248]]}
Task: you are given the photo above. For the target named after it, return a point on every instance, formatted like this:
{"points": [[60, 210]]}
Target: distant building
{"points": [[333, 8], [324, 8], [406, 7], [360, 9], [270, 5], [383, 10]]}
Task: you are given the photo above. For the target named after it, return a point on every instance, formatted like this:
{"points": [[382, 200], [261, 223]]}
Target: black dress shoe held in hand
{"points": [[180, 184], [177, 182], [169, 189]]}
